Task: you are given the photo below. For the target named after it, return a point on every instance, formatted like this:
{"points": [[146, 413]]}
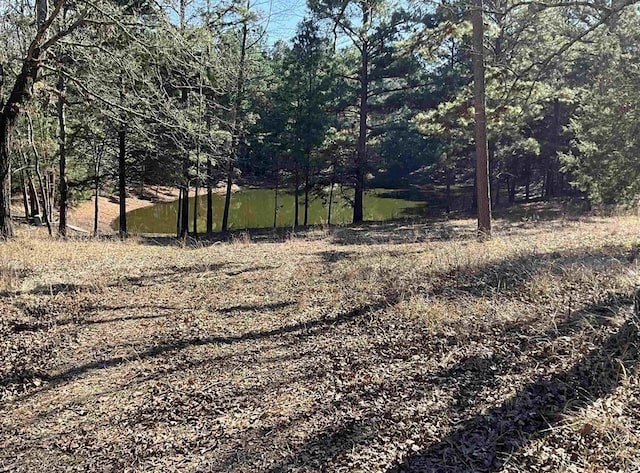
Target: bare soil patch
{"points": [[82, 215]]}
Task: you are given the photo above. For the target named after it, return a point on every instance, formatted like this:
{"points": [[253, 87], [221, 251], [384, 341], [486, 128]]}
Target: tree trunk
{"points": [[33, 196], [550, 174], [179, 214], [43, 188], [30, 196], [361, 156], [96, 194], [184, 225], [448, 193], [195, 201], [511, 185], [45, 198], [549, 184], [275, 196], [527, 186], [209, 196], [554, 166], [227, 199], [183, 231], [96, 209], [209, 223], [51, 190], [235, 136], [296, 198], [62, 140], [6, 226], [8, 114], [122, 183], [330, 202], [25, 201], [545, 176], [482, 164], [306, 187]]}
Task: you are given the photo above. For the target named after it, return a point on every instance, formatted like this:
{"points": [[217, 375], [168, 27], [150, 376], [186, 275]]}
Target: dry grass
{"points": [[378, 348]]}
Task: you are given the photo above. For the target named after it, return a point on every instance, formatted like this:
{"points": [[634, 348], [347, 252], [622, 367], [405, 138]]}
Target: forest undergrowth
{"points": [[376, 348]]}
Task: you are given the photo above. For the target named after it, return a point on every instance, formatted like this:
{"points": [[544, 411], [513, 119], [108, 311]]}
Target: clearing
{"points": [[380, 348]]}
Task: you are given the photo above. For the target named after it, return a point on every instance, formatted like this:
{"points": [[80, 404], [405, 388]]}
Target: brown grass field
{"points": [[381, 348]]}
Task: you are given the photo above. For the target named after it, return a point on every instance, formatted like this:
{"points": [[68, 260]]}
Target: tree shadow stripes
{"points": [[303, 329], [485, 442]]}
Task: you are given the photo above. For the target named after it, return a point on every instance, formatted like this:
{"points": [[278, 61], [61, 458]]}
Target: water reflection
{"points": [[254, 208]]}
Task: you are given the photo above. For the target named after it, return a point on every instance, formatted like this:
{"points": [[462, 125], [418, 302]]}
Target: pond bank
{"points": [[109, 206], [255, 208]]}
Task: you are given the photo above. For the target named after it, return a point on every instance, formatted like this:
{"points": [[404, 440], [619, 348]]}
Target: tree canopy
{"points": [[113, 94]]}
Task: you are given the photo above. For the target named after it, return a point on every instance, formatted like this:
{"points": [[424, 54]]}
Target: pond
{"points": [[254, 208]]}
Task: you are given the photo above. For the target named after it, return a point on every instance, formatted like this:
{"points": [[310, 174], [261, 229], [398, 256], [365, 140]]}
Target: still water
{"points": [[254, 208]]}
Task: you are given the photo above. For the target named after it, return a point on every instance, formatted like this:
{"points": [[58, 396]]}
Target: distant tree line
{"points": [[117, 94]]}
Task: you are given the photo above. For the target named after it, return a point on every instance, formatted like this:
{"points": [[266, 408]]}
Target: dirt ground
{"points": [[375, 348], [108, 210]]}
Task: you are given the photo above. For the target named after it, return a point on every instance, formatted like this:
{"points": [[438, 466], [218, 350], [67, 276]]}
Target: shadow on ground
{"points": [[362, 368], [486, 442]]}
